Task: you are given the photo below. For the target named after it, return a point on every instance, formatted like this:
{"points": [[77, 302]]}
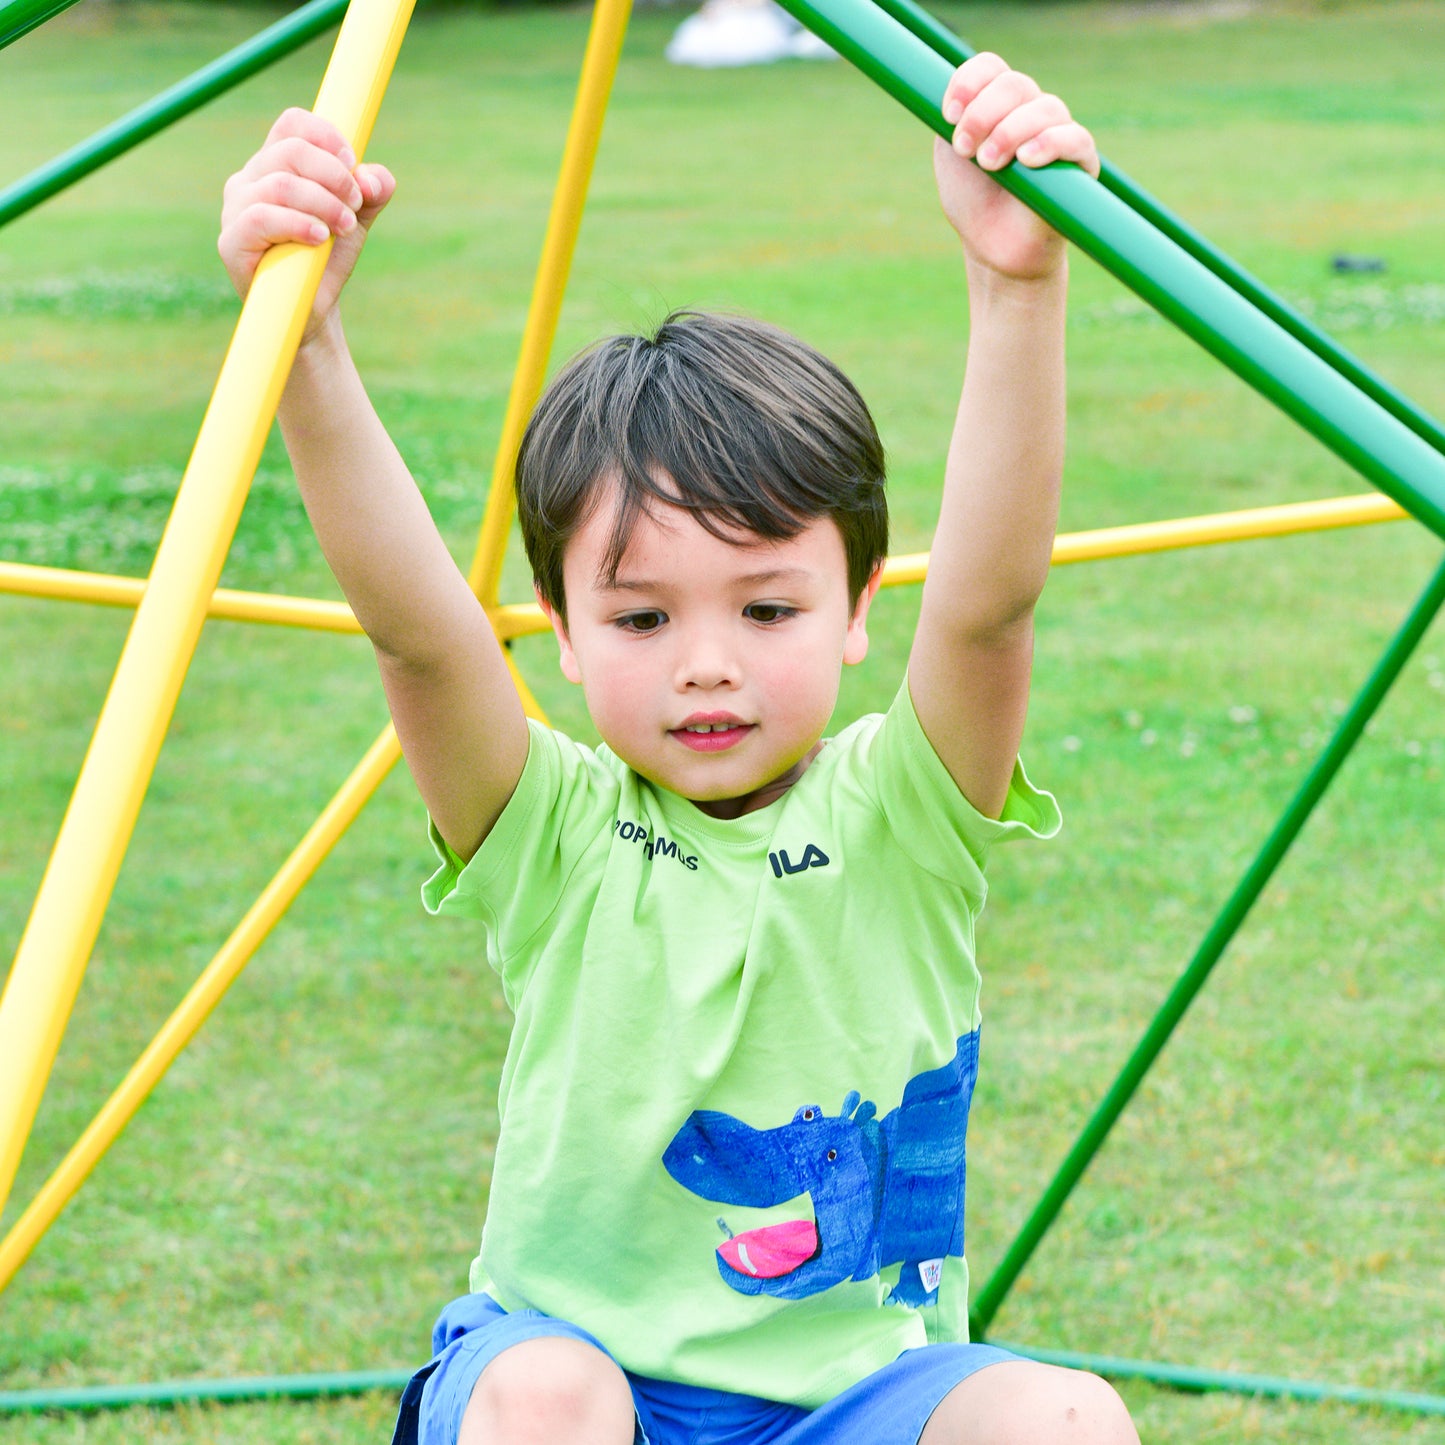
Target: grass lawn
{"points": [[305, 1188]]}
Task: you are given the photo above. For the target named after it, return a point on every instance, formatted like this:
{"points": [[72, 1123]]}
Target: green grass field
{"points": [[306, 1187]]}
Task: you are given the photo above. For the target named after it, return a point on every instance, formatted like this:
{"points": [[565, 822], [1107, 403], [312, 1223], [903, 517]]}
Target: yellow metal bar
{"points": [[53, 952], [530, 705], [226, 604], [1258, 522], [519, 619], [522, 619], [1142, 537], [196, 1007], [193, 1010], [599, 66]]}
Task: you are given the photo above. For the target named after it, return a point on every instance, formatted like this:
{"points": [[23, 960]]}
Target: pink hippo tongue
{"points": [[776, 1250]]}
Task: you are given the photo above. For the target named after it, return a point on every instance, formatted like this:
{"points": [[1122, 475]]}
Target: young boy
{"points": [[727, 1202]]}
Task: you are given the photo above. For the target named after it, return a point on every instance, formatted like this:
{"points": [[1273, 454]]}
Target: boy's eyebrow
{"points": [[748, 579]]}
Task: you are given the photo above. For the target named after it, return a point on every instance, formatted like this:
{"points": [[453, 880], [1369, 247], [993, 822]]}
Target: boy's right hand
{"points": [[302, 185]]}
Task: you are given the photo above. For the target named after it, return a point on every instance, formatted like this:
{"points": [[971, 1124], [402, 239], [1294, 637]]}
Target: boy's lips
{"points": [[711, 732]]}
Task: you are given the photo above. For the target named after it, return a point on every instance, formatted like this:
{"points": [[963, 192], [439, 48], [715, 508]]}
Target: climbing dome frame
{"points": [[1390, 441]]}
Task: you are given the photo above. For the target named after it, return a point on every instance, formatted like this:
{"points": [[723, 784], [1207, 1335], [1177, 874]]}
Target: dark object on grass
{"points": [[1349, 265]]}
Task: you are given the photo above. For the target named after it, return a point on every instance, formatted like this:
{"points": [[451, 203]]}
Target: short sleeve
{"points": [[563, 804], [932, 820]]}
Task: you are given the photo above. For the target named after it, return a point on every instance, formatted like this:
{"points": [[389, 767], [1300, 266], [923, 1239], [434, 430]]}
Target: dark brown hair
{"points": [[740, 423]]}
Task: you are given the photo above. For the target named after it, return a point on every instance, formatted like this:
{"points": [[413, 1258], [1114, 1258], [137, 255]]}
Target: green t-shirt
{"points": [[733, 1107]]}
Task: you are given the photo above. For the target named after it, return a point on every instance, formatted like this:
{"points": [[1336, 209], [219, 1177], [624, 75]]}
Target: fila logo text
{"points": [[813, 857]]}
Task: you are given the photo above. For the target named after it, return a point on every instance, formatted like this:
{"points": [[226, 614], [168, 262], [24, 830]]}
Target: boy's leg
{"points": [[501, 1378], [1021, 1402], [550, 1391], [968, 1394]]}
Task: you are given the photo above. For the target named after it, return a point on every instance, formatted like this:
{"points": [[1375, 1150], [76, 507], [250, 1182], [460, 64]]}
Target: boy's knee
{"points": [[1094, 1409], [1020, 1401], [550, 1391]]}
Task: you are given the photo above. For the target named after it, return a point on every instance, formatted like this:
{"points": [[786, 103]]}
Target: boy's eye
{"points": [[642, 621], [766, 612]]}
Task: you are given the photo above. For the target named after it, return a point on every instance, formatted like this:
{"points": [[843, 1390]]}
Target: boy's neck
{"points": [[759, 798]]}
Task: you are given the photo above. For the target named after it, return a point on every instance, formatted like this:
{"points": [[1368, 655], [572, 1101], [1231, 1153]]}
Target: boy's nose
{"points": [[706, 662]]}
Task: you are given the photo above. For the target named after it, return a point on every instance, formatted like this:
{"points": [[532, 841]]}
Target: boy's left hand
{"points": [[998, 115]]}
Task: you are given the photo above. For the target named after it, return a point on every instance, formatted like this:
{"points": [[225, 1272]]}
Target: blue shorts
{"points": [[890, 1407]]}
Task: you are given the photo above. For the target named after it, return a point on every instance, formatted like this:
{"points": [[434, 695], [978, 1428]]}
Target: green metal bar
{"points": [[1264, 353], [1185, 1377], [1259, 350], [271, 1387], [1091, 1140], [929, 29], [1323, 345], [956, 51], [221, 75], [20, 17], [174, 1392], [1056, 194]]}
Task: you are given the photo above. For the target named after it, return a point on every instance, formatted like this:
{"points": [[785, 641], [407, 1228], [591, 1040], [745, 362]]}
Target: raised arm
{"points": [[451, 695], [973, 651]]}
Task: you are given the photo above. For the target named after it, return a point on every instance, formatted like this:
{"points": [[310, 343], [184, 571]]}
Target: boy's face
{"points": [[711, 668]]}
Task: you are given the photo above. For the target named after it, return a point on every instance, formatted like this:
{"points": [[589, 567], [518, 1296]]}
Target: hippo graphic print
{"points": [[883, 1191]]}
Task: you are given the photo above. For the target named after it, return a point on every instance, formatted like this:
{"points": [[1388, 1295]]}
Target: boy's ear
{"points": [[567, 658], [855, 645]]}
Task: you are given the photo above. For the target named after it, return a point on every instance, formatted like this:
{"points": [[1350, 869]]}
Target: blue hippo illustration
{"points": [[884, 1191]]}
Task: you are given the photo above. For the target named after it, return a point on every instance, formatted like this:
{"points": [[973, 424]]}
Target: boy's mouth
{"points": [[711, 734]]}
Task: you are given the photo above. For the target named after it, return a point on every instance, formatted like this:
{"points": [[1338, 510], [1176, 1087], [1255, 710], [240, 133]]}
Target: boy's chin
{"points": [[732, 802], [722, 797]]}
